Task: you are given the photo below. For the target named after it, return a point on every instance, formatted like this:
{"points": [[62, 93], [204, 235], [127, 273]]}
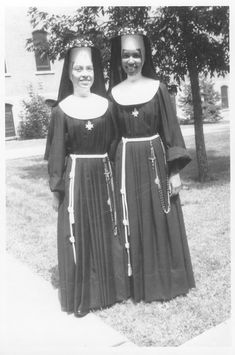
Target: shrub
{"points": [[34, 117], [210, 108], [210, 112]]}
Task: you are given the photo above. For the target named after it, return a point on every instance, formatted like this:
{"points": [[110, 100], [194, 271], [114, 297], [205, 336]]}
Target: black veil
{"points": [[117, 74], [66, 88]]}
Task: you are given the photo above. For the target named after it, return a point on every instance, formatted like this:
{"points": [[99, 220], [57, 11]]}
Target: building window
{"points": [[7, 74], [42, 61], [224, 96], [9, 122]]}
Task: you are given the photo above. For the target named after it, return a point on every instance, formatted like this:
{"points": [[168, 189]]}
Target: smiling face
{"points": [[81, 70], [131, 61], [132, 54]]}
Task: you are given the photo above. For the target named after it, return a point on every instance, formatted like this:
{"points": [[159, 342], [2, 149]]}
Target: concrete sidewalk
{"points": [[35, 324], [16, 149]]}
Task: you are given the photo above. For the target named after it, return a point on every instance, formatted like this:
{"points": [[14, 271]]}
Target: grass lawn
{"points": [[31, 237]]}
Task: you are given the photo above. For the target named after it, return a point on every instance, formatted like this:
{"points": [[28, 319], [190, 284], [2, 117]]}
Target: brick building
{"points": [[23, 69]]}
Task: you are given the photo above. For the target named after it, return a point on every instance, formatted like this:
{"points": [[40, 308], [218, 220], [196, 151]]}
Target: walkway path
{"points": [[34, 323], [18, 149]]}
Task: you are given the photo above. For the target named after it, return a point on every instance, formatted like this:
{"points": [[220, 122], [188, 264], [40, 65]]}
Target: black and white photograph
{"points": [[116, 165]]}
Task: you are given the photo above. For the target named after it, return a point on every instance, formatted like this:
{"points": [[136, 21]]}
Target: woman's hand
{"points": [[175, 184], [55, 201]]}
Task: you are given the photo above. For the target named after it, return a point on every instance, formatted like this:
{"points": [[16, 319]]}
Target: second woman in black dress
{"points": [[149, 157]]}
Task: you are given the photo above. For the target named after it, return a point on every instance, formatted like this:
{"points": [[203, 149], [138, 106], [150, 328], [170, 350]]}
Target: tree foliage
{"points": [[204, 29], [35, 117], [62, 28], [189, 40], [207, 33], [193, 41], [210, 105]]}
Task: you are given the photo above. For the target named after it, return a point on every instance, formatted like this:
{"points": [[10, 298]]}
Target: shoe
{"points": [[80, 314]]}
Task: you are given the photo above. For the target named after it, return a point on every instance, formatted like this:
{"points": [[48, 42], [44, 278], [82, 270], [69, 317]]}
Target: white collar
{"points": [[135, 93], [84, 108]]}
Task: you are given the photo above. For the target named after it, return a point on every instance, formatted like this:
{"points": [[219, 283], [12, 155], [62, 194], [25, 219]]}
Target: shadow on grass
{"points": [[219, 167], [35, 172], [30, 168]]}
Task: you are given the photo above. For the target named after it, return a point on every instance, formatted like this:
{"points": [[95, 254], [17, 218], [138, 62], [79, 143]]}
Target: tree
{"points": [[98, 23], [62, 28], [193, 40], [186, 40]]}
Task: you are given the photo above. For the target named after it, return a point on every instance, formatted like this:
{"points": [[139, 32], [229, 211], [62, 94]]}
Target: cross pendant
{"points": [[135, 112], [89, 126], [107, 175], [157, 181], [152, 159]]}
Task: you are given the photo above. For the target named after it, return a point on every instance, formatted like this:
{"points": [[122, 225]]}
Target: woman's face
{"points": [[132, 61], [81, 69]]}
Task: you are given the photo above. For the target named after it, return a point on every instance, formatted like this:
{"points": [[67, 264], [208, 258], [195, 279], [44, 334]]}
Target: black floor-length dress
{"points": [[159, 253], [96, 279]]}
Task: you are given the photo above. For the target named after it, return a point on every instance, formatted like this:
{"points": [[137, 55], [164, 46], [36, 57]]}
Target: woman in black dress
{"points": [[90, 254], [148, 160]]}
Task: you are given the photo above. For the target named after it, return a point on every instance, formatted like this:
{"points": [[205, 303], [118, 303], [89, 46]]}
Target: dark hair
{"points": [[117, 73], [98, 87]]}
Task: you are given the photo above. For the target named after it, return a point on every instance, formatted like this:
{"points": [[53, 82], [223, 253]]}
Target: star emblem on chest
{"points": [[135, 112], [89, 126]]}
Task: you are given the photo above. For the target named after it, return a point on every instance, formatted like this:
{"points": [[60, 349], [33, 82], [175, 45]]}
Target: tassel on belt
{"points": [[123, 188], [110, 190]]}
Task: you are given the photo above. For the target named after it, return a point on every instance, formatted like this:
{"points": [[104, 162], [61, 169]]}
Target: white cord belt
{"points": [[140, 139], [111, 201], [74, 156], [123, 189]]}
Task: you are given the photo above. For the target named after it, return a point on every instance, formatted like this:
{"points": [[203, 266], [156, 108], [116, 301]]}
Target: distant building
{"points": [[24, 69], [221, 85]]}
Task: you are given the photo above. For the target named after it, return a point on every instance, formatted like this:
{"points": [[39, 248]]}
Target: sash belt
{"points": [[110, 190], [123, 188]]}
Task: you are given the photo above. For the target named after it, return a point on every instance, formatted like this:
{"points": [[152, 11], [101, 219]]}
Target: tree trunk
{"points": [[203, 170]]}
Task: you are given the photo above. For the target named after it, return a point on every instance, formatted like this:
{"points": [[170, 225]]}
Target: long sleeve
{"points": [[49, 136], [115, 133], [56, 150], [176, 153]]}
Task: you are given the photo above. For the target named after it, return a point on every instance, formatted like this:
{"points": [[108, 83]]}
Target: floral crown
{"points": [[132, 31], [82, 42]]}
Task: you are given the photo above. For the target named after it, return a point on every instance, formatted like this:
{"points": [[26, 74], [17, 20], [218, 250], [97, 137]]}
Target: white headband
{"points": [[133, 42], [84, 51]]}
